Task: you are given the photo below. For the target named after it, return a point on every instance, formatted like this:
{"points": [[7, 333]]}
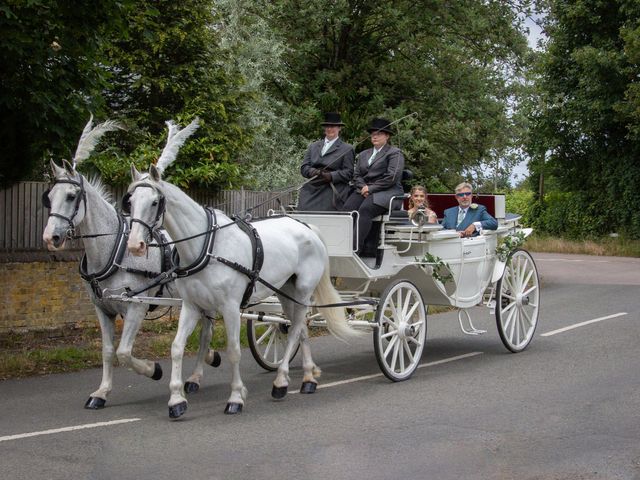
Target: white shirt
{"points": [[373, 155], [327, 145]]}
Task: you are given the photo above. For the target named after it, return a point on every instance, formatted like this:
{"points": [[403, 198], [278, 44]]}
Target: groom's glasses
{"points": [[463, 194]]}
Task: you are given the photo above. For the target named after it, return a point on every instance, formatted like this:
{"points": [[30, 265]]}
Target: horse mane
{"points": [[175, 139], [101, 188]]}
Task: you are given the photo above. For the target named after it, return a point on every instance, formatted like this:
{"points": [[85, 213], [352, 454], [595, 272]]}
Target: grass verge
{"points": [[611, 246], [36, 353]]}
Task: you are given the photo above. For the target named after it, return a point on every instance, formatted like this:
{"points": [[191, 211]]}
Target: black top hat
{"points": [[380, 125], [332, 119]]}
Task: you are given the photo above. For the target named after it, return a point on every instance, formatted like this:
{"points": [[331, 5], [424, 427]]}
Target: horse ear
{"points": [[68, 167], [155, 173], [135, 174], [55, 169]]}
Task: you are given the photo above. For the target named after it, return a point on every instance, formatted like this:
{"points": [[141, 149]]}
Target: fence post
{"points": [[242, 200]]}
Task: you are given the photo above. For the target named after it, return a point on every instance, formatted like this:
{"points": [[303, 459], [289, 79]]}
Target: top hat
{"points": [[380, 125], [332, 119]]}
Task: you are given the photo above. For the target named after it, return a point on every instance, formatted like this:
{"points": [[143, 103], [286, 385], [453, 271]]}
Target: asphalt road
{"points": [[566, 408]]}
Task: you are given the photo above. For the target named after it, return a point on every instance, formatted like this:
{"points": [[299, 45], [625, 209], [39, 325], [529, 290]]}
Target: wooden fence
{"points": [[23, 218]]}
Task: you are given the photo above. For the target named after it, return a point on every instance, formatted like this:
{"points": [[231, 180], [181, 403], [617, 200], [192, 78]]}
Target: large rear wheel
{"points": [[518, 301], [400, 334]]}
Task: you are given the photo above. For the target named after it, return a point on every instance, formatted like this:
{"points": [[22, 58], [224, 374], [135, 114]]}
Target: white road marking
{"points": [[67, 429], [569, 260], [375, 375], [582, 324]]}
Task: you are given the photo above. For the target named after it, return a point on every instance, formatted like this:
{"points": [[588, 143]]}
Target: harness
{"points": [[207, 253], [82, 197]]}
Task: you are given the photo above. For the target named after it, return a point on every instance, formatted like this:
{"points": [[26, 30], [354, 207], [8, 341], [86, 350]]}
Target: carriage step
{"points": [[468, 329]]}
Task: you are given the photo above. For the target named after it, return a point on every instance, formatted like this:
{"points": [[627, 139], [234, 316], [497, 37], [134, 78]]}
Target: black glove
{"points": [[326, 177], [314, 172]]}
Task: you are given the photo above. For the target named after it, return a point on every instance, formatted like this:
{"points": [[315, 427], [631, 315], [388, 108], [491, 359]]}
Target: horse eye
{"points": [[71, 197], [155, 202]]}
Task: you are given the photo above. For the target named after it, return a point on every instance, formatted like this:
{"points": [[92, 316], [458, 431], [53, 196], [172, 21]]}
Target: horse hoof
{"points": [[308, 387], [217, 360], [157, 372], [278, 392], [95, 403], [233, 408], [176, 411], [191, 387]]}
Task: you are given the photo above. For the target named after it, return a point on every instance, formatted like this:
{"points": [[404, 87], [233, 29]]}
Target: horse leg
{"points": [[281, 382], [309, 368], [98, 398], [205, 355], [132, 323], [231, 315], [189, 316]]}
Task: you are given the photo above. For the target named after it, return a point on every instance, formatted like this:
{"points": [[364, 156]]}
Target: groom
{"points": [[468, 218]]}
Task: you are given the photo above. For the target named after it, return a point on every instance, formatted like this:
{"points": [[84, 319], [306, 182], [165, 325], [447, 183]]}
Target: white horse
{"points": [[81, 207], [295, 261]]}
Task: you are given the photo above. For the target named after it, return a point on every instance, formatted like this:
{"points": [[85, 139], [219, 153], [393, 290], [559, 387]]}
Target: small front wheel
{"points": [[518, 301], [267, 342], [401, 330]]}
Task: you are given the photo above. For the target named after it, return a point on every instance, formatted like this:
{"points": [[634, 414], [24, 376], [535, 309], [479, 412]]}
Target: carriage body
{"points": [[415, 266]]}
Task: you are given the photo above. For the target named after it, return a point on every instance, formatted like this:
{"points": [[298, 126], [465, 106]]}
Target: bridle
{"points": [[126, 208], [81, 197]]}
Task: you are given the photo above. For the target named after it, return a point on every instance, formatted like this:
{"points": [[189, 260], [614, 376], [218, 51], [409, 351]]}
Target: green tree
{"points": [[454, 63], [585, 122], [170, 66], [50, 77]]}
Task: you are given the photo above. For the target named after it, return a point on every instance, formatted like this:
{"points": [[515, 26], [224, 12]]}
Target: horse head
{"points": [[66, 199], [144, 200]]}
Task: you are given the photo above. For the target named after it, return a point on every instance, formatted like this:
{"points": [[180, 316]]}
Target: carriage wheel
{"points": [[518, 301], [398, 338], [267, 341]]}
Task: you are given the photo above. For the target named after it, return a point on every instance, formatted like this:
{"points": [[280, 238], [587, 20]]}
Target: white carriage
{"points": [[415, 266]]}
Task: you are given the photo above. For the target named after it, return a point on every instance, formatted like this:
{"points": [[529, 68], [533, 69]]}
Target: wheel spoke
{"points": [[394, 356], [407, 302], [389, 321], [389, 334], [265, 334], [390, 345], [509, 325], [509, 307], [269, 345], [412, 310], [414, 340], [526, 281], [407, 349], [527, 292]]}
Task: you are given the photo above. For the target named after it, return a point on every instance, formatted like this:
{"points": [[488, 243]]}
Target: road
{"points": [[566, 408]]}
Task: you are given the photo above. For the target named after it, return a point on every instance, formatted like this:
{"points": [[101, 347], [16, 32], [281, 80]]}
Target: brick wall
{"points": [[42, 296]]}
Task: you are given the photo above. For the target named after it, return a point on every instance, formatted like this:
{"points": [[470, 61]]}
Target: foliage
{"points": [[585, 116], [440, 270], [508, 244], [454, 63], [259, 57], [170, 66], [50, 78]]}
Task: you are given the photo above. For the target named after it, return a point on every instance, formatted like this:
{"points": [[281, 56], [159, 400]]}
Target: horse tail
{"points": [[324, 294]]}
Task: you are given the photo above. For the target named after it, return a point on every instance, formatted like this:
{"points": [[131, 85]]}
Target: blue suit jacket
{"points": [[479, 214]]}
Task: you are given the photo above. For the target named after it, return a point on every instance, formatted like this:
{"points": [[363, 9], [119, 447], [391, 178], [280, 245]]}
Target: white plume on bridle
{"points": [[175, 139], [91, 136]]}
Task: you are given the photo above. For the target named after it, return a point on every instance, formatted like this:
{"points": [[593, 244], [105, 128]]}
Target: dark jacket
{"points": [[383, 176], [318, 195]]}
